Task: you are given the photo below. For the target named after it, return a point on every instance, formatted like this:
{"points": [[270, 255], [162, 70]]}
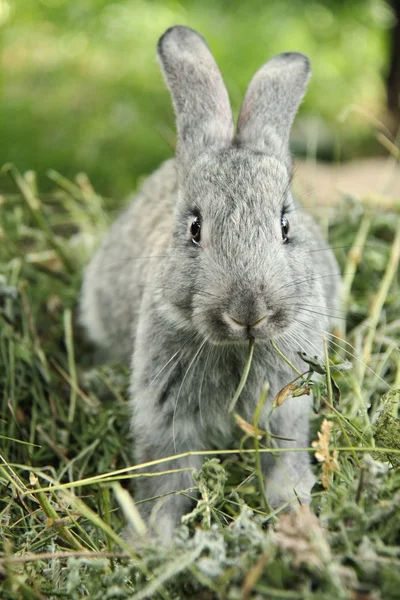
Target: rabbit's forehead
{"points": [[237, 180]]}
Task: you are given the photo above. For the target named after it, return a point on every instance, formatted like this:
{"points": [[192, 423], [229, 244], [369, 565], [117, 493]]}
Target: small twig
{"points": [[259, 472], [254, 575], [26, 558]]}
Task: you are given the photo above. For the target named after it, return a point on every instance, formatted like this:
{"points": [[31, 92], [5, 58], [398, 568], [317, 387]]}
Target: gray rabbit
{"points": [[213, 251]]}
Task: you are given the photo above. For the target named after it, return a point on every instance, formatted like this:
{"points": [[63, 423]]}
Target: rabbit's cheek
{"points": [[208, 323], [281, 318]]}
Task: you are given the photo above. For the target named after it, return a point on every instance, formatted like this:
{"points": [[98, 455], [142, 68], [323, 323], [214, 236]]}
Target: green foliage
{"points": [[81, 89], [65, 421]]}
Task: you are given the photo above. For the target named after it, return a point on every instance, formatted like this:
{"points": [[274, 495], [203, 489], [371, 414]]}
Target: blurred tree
{"points": [[393, 79]]}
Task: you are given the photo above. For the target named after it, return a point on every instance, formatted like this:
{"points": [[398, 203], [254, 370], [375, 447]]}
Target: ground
{"points": [[66, 448]]}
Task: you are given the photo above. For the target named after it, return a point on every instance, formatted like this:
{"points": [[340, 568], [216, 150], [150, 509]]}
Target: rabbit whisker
{"points": [[307, 279], [307, 345], [287, 187], [191, 338], [124, 261], [321, 307], [179, 392], [347, 246], [313, 208], [302, 309], [359, 360], [210, 348], [312, 348], [354, 356], [317, 187], [293, 338], [194, 290]]}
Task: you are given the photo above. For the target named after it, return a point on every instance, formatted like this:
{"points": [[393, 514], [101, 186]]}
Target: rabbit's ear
{"points": [[201, 102], [271, 103]]}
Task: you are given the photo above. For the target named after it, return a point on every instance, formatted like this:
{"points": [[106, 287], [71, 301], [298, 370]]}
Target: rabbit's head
{"points": [[240, 264]]}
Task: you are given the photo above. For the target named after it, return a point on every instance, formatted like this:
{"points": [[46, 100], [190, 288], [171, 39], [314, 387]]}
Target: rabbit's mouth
{"points": [[245, 329], [225, 329]]}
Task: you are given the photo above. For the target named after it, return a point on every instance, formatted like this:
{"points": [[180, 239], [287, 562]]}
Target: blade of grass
{"points": [[244, 377], [69, 343], [129, 509], [36, 211], [379, 301], [260, 476], [354, 258], [330, 399], [287, 361]]}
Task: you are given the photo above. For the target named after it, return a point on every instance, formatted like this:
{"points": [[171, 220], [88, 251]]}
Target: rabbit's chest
{"points": [[203, 413]]}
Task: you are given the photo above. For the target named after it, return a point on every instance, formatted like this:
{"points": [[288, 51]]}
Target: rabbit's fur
{"points": [[186, 311]]}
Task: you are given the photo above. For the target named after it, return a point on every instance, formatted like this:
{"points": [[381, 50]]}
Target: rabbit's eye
{"points": [[285, 228], [195, 230]]}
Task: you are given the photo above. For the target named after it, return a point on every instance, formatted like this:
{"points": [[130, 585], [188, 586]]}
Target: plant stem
{"points": [[69, 343], [260, 477], [379, 301], [287, 361], [353, 260], [244, 377]]}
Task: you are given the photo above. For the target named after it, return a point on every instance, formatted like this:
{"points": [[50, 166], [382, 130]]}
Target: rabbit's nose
{"points": [[237, 324]]}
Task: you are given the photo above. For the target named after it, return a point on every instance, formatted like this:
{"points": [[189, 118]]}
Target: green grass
{"points": [[64, 421]]}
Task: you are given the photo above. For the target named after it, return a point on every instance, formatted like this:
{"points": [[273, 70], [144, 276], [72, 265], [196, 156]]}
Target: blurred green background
{"points": [[81, 89]]}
